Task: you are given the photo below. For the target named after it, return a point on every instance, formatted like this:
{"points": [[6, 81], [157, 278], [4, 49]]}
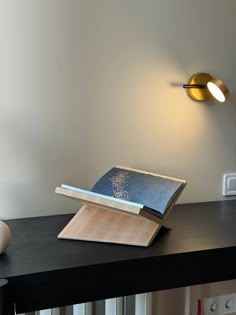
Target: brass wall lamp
{"points": [[201, 86]]}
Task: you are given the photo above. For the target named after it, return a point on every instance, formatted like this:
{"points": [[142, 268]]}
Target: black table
{"points": [[44, 272]]}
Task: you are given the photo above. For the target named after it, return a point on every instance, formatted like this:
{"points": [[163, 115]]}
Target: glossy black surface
{"points": [[44, 272], [5, 307]]}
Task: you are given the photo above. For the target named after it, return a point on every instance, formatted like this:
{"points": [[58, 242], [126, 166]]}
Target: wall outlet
{"points": [[228, 303], [229, 184], [212, 306], [220, 305]]}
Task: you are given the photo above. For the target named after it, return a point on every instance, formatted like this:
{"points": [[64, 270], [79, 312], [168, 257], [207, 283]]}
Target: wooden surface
{"points": [[45, 272], [120, 207], [97, 200], [102, 225]]}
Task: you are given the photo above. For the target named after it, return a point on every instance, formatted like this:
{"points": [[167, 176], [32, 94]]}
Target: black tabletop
{"points": [[200, 248]]}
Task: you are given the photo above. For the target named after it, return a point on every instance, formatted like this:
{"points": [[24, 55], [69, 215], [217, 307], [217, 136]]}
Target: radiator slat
{"points": [[143, 304], [114, 306], [51, 311], [129, 305], [82, 309], [44, 312], [187, 304]]}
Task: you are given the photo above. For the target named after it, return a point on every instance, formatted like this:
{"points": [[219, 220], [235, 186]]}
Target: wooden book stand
{"points": [[93, 222]]}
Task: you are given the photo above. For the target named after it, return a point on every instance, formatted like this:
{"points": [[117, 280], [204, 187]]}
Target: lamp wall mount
{"points": [[201, 86]]}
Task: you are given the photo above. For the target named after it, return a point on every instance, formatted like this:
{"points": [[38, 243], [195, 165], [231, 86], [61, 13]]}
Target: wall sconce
{"points": [[202, 86]]}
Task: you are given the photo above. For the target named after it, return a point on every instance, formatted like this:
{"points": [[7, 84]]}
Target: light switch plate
{"points": [[229, 184]]}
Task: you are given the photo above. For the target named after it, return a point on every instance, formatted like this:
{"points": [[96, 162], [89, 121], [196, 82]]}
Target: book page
{"points": [[152, 190]]}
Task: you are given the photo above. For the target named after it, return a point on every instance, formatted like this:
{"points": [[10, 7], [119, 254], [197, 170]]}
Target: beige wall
{"points": [[138, 115], [43, 105]]}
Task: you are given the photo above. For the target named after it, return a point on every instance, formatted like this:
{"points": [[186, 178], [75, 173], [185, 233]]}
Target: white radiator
{"points": [[140, 304]]}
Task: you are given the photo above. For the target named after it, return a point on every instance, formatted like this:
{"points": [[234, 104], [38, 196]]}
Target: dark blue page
{"points": [[152, 191]]}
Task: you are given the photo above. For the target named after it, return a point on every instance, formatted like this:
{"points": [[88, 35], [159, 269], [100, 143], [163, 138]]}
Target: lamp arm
{"points": [[194, 86]]}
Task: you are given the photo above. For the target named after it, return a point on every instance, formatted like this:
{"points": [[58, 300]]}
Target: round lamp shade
{"points": [[218, 89]]}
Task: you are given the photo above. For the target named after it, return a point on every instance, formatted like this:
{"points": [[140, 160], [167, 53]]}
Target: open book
{"points": [[125, 195]]}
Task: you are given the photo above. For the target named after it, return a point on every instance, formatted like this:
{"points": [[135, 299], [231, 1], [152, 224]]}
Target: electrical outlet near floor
{"points": [[212, 306], [220, 305], [228, 304]]}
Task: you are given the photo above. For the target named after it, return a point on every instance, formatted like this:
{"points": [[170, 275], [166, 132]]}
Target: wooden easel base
{"points": [[102, 225]]}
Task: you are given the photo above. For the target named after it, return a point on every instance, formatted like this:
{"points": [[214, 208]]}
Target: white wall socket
{"points": [[229, 184], [228, 303], [212, 306], [220, 305]]}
